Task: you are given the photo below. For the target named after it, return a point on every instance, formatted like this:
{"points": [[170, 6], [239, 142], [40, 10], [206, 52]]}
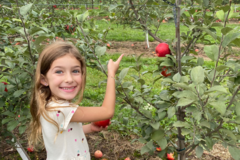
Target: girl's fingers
{"points": [[120, 58]]}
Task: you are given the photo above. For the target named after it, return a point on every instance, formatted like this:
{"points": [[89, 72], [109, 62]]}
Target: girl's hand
{"points": [[113, 66], [95, 128]]}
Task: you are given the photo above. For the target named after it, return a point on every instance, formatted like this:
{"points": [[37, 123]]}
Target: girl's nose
{"points": [[69, 78]]}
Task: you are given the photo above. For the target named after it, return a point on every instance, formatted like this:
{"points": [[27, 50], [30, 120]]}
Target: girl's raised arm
{"points": [[106, 111]]}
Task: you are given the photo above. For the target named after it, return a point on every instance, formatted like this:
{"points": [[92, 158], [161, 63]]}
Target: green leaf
{"points": [[122, 74], [211, 51], [185, 94], [209, 142], [171, 112], [229, 134], [205, 3], [157, 135], [235, 152], [184, 102], [8, 113], [162, 143], [161, 115], [112, 6], [155, 125], [229, 38], [205, 124], [100, 50], [25, 9], [197, 74], [5, 120], [220, 14], [181, 124], [177, 77], [2, 87], [237, 108], [83, 16], [22, 129], [200, 61], [199, 151], [12, 125], [144, 149], [217, 88], [220, 106], [165, 95], [226, 30], [208, 32], [186, 131], [18, 93]]}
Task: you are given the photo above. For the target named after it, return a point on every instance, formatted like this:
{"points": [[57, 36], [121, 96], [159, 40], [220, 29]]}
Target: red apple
{"points": [[103, 123], [164, 72], [162, 50], [54, 6], [30, 149], [170, 156], [98, 154], [127, 158], [196, 50], [108, 45], [159, 149]]}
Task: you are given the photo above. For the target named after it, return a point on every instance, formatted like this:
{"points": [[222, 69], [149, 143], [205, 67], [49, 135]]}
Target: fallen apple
{"points": [[127, 158], [98, 154], [196, 50], [108, 45], [159, 149], [170, 156], [162, 50], [30, 149], [103, 123]]}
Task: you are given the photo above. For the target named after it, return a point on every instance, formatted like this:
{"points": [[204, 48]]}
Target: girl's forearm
{"points": [[110, 95]]}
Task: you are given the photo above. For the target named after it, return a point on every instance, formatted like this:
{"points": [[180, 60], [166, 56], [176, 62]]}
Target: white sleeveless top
{"points": [[70, 142]]}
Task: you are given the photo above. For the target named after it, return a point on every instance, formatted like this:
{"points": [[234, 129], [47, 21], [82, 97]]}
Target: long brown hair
{"points": [[41, 94]]}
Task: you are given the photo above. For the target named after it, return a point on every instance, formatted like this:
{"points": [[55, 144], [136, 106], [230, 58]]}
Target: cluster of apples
{"points": [[169, 155], [162, 50], [69, 28]]}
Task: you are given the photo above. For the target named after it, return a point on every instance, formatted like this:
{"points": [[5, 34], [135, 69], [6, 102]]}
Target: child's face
{"points": [[64, 78]]}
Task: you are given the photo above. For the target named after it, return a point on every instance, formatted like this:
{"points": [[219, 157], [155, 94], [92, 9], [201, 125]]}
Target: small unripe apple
{"points": [[98, 154], [103, 123]]}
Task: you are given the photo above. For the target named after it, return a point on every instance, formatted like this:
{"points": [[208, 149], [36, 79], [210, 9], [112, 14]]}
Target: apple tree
{"points": [[199, 106]]}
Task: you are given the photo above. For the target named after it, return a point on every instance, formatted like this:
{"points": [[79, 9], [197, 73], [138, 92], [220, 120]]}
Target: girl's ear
{"points": [[44, 80]]}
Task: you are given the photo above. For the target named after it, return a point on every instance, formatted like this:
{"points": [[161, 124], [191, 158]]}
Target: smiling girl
{"points": [[58, 89]]}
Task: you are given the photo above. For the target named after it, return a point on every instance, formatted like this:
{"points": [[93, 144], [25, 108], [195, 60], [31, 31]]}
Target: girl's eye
{"points": [[58, 72], [76, 71]]}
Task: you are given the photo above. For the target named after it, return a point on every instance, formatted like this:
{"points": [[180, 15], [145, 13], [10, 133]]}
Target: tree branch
{"points": [[143, 24], [26, 35]]}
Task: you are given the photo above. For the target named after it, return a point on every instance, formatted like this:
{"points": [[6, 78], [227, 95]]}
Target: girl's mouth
{"points": [[67, 89]]}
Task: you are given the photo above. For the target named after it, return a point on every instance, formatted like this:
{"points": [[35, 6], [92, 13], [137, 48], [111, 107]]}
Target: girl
{"points": [[58, 87]]}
